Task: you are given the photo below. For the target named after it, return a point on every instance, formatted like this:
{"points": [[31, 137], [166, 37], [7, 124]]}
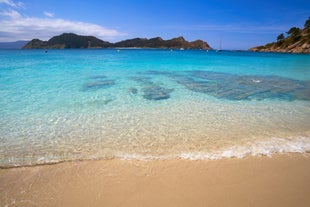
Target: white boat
{"points": [[220, 48]]}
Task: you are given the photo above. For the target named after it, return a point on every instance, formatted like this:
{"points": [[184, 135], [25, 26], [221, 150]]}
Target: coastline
{"points": [[278, 51], [281, 180]]}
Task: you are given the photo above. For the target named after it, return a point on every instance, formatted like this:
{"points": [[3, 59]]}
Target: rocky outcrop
{"points": [[69, 40], [298, 47], [297, 41]]}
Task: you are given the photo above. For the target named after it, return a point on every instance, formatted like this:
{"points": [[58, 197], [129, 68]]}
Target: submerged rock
{"points": [[133, 90], [254, 87], [228, 86], [151, 90], [102, 84], [156, 92]]}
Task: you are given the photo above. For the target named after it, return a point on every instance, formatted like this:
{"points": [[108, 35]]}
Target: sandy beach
{"points": [[282, 180]]}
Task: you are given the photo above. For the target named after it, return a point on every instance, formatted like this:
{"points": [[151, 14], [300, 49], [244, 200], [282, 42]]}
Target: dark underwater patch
{"points": [[151, 90], [95, 85], [226, 86], [133, 90], [156, 92], [98, 77], [251, 87]]}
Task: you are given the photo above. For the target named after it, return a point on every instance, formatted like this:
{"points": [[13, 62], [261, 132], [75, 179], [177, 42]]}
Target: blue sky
{"points": [[239, 24]]}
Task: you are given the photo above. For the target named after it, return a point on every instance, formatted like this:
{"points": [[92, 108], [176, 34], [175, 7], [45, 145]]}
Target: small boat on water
{"points": [[220, 48]]}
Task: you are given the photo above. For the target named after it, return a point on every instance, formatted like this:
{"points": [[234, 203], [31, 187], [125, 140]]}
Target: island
{"points": [[296, 40], [71, 40]]}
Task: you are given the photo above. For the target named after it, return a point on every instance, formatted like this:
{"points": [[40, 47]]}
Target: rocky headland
{"points": [[296, 40], [70, 40]]}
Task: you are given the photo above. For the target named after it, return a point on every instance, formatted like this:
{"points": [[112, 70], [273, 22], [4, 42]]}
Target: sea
{"points": [[146, 104]]}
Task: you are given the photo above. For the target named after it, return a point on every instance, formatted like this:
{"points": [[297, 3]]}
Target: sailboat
{"points": [[220, 48]]}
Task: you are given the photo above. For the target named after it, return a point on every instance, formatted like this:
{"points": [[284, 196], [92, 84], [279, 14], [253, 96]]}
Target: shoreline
{"points": [[269, 148], [140, 158], [278, 52], [280, 180]]}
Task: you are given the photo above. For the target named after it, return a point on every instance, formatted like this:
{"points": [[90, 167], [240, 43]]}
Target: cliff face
{"points": [[69, 40], [297, 41]]}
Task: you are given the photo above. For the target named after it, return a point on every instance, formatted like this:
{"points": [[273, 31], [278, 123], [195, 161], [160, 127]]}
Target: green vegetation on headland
{"points": [[70, 40], [296, 41]]}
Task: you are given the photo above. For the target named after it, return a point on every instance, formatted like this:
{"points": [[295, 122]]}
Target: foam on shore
{"points": [[265, 148]]}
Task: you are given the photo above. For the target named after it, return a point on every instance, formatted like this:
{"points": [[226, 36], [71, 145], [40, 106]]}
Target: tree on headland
{"points": [[293, 31], [307, 23], [280, 37]]}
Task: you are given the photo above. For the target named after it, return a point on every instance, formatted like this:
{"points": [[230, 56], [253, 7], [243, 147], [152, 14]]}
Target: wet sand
{"points": [[283, 180]]}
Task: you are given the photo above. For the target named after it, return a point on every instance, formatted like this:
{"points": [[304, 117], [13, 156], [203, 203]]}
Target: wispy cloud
{"points": [[11, 3], [48, 14], [10, 13], [16, 26]]}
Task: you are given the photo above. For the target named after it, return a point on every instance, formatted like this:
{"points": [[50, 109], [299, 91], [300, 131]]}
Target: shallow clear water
{"points": [[151, 104]]}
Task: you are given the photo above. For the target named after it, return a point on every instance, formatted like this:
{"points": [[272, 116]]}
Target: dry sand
{"points": [[283, 180]]}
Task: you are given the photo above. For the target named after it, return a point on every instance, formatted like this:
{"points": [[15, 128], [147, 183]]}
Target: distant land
{"points": [[70, 40], [12, 45], [296, 41]]}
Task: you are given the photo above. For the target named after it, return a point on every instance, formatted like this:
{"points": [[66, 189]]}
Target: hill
{"points": [[67, 40], [158, 42], [70, 40], [296, 41]]}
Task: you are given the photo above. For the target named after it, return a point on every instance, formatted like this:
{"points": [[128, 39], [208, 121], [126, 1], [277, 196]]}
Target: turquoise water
{"points": [[151, 104]]}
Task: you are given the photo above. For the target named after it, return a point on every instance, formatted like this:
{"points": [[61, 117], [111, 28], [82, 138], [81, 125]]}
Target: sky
{"points": [[233, 24]]}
